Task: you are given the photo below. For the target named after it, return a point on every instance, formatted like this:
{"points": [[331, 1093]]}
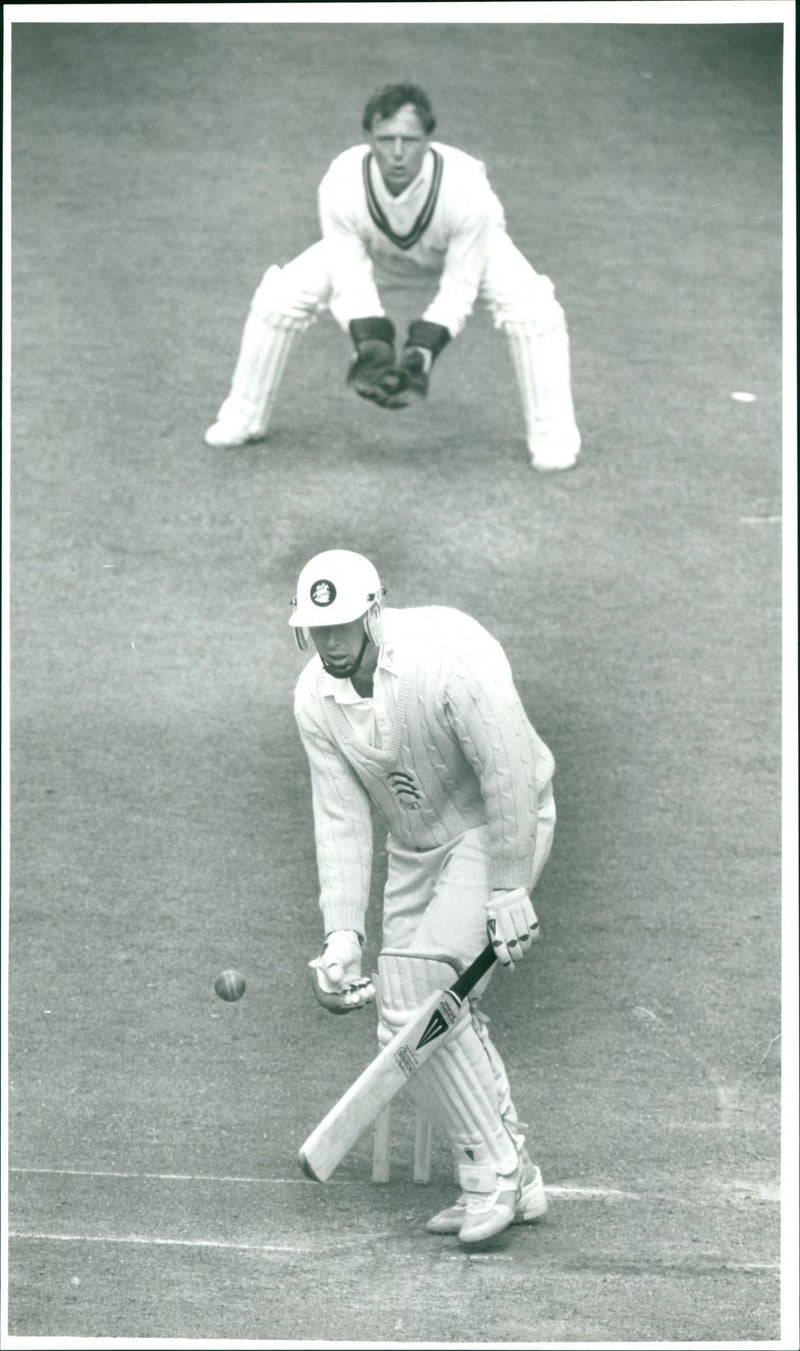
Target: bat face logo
{"points": [[440, 1021], [437, 1025], [323, 592]]}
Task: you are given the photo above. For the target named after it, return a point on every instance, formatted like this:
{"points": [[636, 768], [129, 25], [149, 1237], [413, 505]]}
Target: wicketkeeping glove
{"points": [[410, 380], [511, 924], [374, 358], [336, 974]]}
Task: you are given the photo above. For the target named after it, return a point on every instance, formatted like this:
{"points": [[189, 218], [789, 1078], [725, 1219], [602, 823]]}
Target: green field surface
{"points": [[160, 823]]}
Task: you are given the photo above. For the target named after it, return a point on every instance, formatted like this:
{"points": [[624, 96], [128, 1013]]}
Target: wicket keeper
{"points": [[415, 712], [401, 210]]}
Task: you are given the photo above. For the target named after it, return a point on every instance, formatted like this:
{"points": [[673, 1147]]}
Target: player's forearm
{"points": [[508, 870], [452, 305], [344, 864], [342, 830], [342, 908], [464, 266], [354, 294]]}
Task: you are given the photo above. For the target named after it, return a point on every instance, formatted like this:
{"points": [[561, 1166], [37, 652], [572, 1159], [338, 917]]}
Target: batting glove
{"points": [[336, 974], [374, 358], [511, 924]]}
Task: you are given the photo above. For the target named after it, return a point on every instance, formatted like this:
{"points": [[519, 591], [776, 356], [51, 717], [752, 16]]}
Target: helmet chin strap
{"points": [[351, 670]]}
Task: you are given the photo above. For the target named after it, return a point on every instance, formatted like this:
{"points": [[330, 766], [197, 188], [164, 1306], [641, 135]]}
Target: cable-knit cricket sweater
{"points": [[454, 749]]}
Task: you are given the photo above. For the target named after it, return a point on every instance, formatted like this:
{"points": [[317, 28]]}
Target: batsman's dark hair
{"points": [[391, 98]]}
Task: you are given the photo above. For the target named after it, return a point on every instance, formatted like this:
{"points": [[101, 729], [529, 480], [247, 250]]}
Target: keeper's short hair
{"points": [[387, 101]]}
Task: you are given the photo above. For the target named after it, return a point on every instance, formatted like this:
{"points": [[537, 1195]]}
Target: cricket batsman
{"points": [[415, 712], [404, 211]]}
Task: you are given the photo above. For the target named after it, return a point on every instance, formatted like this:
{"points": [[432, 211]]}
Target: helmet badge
{"points": [[323, 593]]}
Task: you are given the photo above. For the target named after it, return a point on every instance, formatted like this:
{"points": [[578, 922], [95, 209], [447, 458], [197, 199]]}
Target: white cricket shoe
{"points": [[529, 1203], [228, 433]]}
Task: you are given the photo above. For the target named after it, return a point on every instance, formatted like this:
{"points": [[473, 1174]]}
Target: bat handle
{"points": [[473, 973]]}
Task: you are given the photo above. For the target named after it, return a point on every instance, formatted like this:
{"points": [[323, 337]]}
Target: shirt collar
{"points": [[343, 691]]}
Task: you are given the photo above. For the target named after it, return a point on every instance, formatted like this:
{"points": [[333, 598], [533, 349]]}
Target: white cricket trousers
{"points": [[434, 902]]}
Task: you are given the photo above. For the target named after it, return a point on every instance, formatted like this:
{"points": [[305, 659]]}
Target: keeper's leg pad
{"points": [[524, 305], [456, 1087], [541, 365], [284, 305]]}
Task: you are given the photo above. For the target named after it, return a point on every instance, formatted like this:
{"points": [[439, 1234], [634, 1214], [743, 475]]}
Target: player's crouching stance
{"points": [[405, 211], [416, 712]]}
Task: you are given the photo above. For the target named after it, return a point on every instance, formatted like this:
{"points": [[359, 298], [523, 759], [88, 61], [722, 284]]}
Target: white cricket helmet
{"points": [[337, 587]]}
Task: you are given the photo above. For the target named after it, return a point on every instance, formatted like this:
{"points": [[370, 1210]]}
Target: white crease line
{"points": [[592, 1191], [144, 1240], [284, 1181], [160, 1242], [567, 1193], [308, 1250], [752, 1266], [760, 520], [161, 1177]]}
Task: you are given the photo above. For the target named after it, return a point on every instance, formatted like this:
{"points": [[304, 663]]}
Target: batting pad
{"points": [[456, 1087], [405, 981], [508, 1111]]}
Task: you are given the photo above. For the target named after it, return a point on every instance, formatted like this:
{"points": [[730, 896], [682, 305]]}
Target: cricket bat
{"points": [[336, 1134]]}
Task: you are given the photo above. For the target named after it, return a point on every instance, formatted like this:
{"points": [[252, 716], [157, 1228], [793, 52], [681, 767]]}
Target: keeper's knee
{"points": [[532, 307], [267, 294], [535, 323], [283, 300]]}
